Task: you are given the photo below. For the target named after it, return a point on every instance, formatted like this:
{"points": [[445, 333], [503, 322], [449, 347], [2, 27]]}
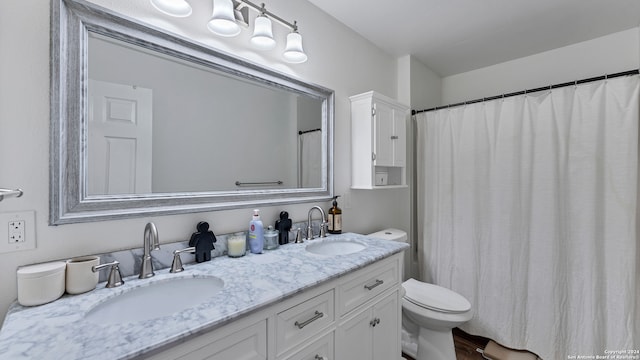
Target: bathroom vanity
{"points": [[290, 303]]}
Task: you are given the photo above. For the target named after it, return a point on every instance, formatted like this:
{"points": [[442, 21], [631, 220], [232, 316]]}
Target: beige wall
{"points": [[349, 66]]}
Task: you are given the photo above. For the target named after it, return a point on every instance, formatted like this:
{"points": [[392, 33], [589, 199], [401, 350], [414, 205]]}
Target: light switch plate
{"points": [[17, 231]]}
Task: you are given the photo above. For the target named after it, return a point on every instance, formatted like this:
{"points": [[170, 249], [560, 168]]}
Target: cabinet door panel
{"points": [[353, 338], [384, 130], [386, 335]]}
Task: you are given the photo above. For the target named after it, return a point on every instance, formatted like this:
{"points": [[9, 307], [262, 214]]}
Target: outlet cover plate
{"points": [[29, 243]]}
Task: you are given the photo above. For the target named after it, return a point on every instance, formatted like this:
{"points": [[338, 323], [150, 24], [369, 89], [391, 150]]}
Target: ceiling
{"points": [[454, 36]]}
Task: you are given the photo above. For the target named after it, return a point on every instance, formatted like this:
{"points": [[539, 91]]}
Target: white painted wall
{"points": [[421, 88], [605, 55], [338, 59]]}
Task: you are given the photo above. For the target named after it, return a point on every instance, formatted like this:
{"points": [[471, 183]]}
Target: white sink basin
{"points": [[158, 299], [335, 247]]}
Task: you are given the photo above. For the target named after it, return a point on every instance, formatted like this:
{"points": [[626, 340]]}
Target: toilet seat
{"points": [[434, 297]]}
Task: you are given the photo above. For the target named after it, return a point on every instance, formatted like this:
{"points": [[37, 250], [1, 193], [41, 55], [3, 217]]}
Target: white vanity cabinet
{"points": [[356, 316], [378, 141]]}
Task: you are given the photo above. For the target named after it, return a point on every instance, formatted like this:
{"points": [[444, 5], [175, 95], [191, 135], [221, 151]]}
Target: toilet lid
{"points": [[435, 297]]}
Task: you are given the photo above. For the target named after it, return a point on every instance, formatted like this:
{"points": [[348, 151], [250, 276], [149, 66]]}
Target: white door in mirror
{"points": [[120, 139]]}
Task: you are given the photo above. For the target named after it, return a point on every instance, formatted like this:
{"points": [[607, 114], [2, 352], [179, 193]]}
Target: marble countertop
{"points": [[58, 329]]}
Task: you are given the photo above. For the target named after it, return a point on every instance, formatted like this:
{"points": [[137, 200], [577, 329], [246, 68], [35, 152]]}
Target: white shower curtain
{"points": [[310, 159], [527, 207]]}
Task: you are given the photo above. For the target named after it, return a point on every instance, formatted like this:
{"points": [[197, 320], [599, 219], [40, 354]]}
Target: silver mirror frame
{"points": [[71, 21]]}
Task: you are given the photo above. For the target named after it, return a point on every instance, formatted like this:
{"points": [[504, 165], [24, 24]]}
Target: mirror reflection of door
{"points": [[120, 139]]}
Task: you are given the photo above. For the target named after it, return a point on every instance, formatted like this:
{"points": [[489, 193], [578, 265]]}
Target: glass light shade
{"points": [[177, 8], [263, 34], [293, 52], [223, 21]]}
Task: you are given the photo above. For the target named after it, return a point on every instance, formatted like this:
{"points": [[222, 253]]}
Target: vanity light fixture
{"points": [[223, 21], [263, 32], [177, 8], [228, 15], [293, 52]]}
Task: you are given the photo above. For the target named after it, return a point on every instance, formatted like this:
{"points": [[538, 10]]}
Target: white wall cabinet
{"points": [[378, 141], [356, 316]]}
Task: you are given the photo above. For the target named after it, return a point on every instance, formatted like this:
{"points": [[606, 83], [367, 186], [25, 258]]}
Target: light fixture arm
{"points": [[264, 11]]}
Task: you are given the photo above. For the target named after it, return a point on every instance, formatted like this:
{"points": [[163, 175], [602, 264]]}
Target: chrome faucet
{"points": [[322, 224], [150, 243]]}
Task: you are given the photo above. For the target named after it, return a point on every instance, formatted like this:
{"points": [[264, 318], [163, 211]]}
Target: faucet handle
{"points": [[115, 278], [298, 236], [323, 228], [176, 265]]}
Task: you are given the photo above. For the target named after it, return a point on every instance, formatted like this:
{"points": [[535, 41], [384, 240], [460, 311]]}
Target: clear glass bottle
{"points": [[271, 238]]}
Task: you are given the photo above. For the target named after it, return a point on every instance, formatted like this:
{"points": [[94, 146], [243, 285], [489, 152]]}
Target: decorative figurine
{"points": [[203, 241], [283, 226]]}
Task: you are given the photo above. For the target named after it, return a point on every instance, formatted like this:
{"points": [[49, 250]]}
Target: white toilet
{"points": [[429, 313]]}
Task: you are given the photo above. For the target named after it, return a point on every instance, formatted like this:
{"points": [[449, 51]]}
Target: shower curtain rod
{"points": [[603, 77]]}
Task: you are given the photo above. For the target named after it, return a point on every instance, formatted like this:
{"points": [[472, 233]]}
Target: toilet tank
{"points": [[391, 234], [397, 235]]}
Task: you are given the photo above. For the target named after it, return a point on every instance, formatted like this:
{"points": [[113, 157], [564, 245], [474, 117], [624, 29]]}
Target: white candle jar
{"points": [[236, 246]]}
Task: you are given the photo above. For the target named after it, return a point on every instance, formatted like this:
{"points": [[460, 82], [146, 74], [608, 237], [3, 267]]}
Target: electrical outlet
{"points": [[17, 231]]}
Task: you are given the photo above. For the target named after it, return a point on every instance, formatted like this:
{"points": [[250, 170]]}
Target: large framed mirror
{"points": [[144, 122]]}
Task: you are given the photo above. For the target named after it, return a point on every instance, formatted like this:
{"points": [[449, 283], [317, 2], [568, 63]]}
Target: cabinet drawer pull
{"points": [[318, 357], [394, 137], [377, 283], [315, 317]]}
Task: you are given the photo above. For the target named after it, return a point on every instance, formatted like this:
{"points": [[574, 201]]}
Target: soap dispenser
{"points": [[256, 233], [334, 217]]}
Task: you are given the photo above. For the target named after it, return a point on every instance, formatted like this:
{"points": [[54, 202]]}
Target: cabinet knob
{"points": [[373, 156], [374, 322]]}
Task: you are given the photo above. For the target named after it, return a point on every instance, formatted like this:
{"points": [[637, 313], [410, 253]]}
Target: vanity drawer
{"points": [[231, 342], [303, 321], [367, 284], [322, 348]]}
